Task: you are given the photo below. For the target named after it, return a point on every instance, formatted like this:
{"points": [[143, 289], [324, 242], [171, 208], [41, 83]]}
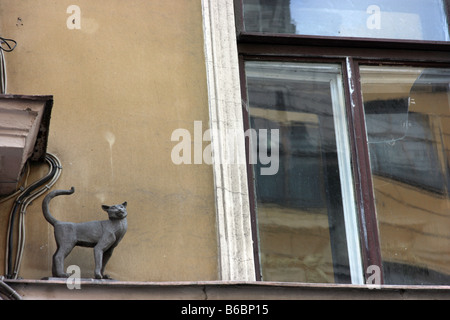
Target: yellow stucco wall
{"points": [[132, 74]]}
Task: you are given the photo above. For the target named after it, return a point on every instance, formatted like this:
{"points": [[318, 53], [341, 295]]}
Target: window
{"points": [[357, 115], [400, 19], [407, 114], [303, 202]]}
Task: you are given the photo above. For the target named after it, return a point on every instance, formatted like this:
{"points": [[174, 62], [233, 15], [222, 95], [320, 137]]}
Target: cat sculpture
{"points": [[102, 235]]}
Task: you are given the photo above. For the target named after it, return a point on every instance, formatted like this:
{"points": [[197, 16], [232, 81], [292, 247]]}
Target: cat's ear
{"points": [[104, 207], [125, 204]]}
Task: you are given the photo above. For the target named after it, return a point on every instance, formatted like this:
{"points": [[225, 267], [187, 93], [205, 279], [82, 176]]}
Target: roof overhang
{"points": [[24, 129]]}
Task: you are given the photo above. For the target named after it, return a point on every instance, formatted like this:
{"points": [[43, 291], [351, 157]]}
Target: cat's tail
{"points": [[46, 203]]}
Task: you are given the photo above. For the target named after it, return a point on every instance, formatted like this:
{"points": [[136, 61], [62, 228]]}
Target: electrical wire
{"points": [[7, 42], [23, 200], [53, 176], [6, 45], [28, 202], [3, 76], [8, 291]]}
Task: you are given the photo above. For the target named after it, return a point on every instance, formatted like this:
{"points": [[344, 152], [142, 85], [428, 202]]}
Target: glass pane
{"points": [[399, 19], [305, 208], [408, 124]]}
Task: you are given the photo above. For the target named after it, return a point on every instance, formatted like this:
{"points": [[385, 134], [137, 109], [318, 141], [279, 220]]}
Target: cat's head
{"points": [[118, 211]]}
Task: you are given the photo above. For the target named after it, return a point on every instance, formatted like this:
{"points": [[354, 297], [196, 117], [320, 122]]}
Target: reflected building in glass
{"points": [[382, 19], [306, 210], [408, 127], [269, 16]]}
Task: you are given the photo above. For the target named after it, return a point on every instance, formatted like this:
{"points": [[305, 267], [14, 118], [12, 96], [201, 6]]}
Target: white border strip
{"points": [[345, 171], [236, 259]]}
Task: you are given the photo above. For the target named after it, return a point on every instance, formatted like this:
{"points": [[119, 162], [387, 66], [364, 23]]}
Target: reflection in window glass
{"points": [[407, 114], [305, 210], [399, 19]]}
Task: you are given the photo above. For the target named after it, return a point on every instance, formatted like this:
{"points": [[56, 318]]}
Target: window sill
{"points": [[218, 290]]}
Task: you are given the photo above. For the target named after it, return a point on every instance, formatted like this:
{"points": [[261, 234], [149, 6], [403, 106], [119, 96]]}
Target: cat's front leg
{"points": [[99, 250], [98, 256], [106, 256]]}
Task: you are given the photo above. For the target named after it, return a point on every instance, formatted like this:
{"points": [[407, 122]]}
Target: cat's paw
{"points": [[63, 275], [98, 276]]}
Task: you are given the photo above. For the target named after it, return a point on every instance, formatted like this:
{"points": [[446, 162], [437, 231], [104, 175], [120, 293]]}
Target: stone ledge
{"points": [[91, 289]]}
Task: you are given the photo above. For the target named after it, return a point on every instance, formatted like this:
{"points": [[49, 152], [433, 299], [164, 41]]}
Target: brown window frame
{"points": [[351, 53]]}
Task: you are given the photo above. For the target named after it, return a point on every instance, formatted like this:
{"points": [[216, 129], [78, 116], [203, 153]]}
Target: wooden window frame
{"points": [[351, 53]]}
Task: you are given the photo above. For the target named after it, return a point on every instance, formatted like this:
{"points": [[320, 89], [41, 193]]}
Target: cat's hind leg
{"points": [[58, 260], [65, 237]]}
